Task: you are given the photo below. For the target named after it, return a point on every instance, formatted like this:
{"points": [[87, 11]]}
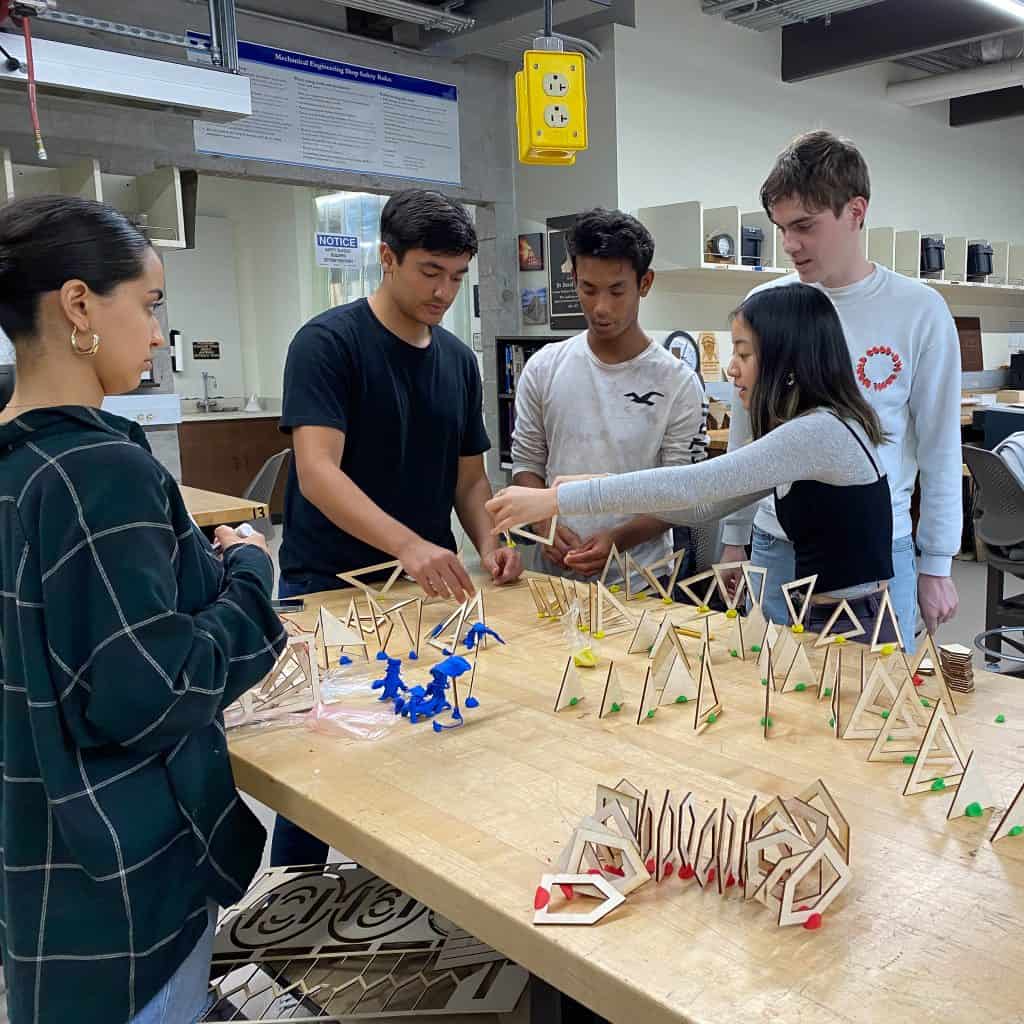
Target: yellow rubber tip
{"points": [[732, 613], [585, 658], [704, 609], [888, 649], [840, 640], [798, 628]]}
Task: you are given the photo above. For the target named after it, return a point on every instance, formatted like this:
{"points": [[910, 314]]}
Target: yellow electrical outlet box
{"points": [[551, 107]]}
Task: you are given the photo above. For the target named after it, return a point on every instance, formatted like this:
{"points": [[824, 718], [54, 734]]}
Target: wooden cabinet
{"points": [[225, 455]]}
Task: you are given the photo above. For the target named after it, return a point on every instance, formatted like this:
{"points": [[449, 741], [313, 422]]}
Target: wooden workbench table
{"points": [[210, 509], [468, 820]]}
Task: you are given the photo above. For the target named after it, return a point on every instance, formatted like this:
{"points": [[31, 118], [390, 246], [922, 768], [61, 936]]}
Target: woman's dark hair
{"points": [[48, 240], [420, 219], [611, 235], [803, 361]]}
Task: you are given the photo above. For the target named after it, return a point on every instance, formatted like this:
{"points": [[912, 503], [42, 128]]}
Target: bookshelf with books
{"points": [[512, 355]]}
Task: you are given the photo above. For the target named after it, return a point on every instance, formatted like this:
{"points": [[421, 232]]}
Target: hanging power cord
{"points": [[24, 17], [548, 17]]}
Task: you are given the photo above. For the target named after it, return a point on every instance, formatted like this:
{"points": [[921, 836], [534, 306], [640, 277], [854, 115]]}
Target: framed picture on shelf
{"points": [[566, 312], [531, 251], [535, 306]]}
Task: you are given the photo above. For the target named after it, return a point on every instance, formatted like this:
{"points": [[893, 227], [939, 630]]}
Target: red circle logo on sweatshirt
{"points": [[879, 367]]}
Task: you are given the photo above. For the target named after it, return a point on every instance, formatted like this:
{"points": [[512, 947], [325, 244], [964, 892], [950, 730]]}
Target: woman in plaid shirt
{"points": [[122, 638]]}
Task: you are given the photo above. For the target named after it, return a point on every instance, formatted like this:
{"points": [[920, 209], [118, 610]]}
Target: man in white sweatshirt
{"points": [[906, 356], [608, 400]]}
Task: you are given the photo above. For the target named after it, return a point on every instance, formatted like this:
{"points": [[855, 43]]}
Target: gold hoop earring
{"points": [[91, 351]]}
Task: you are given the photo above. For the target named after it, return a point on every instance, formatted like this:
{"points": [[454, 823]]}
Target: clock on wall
{"points": [[683, 346], [720, 248]]}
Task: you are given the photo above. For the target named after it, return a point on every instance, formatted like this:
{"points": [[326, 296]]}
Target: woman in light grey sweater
{"points": [[815, 448]]}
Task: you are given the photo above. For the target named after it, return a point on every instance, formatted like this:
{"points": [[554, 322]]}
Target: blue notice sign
{"points": [[339, 252]]}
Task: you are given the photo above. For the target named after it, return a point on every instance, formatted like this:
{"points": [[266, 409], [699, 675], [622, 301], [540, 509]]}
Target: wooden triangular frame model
{"points": [[380, 626], [928, 649], [440, 638], [547, 541], [634, 570], [973, 789], [940, 740], [795, 618], [666, 648], [701, 600], [799, 671], [572, 689], [766, 721], [755, 592], [413, 608], [897, 740], [635, 872], [616, 558], [702, 855], [823, 851], [886, 611], [610, 615], [354, 578], [1013, 818], [674, 564], [864, 720], [827, 636], [627, 797], [831, 670], [665, 840], [679, 686], [612, 701], [708, 705], [331, 632], [767, 658], [543, 915], [648, 699], [545, 608], [647, 631], [731, 601], [838, 827]]}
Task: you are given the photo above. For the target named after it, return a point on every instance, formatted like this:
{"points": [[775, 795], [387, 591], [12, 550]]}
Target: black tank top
{"points": [[842, 534]]}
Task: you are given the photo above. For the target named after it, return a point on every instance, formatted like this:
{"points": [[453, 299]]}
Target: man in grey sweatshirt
{"points": [[608, 400]]}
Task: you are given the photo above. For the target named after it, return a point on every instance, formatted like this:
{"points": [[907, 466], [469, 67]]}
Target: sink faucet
{"points": [[207, 404]]}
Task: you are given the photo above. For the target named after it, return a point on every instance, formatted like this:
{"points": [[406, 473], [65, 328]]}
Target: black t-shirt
{"points": [[408, 415]]}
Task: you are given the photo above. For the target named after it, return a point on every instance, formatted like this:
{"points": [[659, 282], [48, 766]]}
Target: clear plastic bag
{"points": [[345, 709], [586, 651]]}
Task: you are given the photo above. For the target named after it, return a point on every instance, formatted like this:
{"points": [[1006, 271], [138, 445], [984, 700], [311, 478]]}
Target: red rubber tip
{"points": [[686, 872], [613, 870], [650, 865], [711, 874], [813, 922], [804, 907], [918, 681], [567, 891], [541, 898], [594, 871], [730, 881], [669, 867]]}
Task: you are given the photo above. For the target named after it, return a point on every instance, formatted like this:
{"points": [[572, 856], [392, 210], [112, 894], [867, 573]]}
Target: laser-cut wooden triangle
{"points": [[474, 613], [770, 891], [810, 820], [612, 701], [646, 633], [783, 651], [610, 616], [937, 679], [545, 610], [674, 564], [331, 632], [932, 758], [701, 599], [754, 627], [708, 704], [616, 559], [842, 623], [365, 624], [866, 718], [686, 823], [831, 670], [579, 884], [666, 646], [571, 690], [735, 638], [758, 880], [731, 601], [837, 701], [381, 627], [441, 639], [633, 588], [823, 851], [799, 671], [706, 850], [626, 796], [547, 540], [756, 578], [766, 657], [354, 578], [817, 795], [973, 789], [745, 836], [648, 699], [679, 686], [665, 841], [409, 615], [729, 843], [1013, 818], [897, 741], [768, 690], [788, 591], [634, 870], [886, 612], [772, 817]]}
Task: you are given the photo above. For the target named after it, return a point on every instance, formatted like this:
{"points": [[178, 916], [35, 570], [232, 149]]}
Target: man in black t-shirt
{"points": [[385, 410]]}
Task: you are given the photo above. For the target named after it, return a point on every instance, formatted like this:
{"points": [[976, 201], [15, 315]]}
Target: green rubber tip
{"points": [[889, 739], [764, 682], [755, 648], [939, 784], [574, 701], [766, 721], [925, 703], [681, 699], [616, 707], [800, 687], [650, 714], [910, 759], [1016, 830], [973, 810], [828, 691], [734, 653], [712, 719], [831, 723], [1000, 719], [885, 714]]}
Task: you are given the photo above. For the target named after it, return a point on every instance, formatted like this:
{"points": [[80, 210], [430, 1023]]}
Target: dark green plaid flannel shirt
{"points": [[123, 639]]}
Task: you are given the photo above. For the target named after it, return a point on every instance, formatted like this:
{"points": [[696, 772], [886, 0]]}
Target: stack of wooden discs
{"points": [[957, 668]]}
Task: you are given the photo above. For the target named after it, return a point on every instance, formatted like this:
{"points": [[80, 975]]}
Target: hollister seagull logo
{"points": [[879, 367], [643, 399]]}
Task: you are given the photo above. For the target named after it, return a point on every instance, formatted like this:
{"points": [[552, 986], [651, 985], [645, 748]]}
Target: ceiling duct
{"points": [[764, 15], [441, 18], [958, 83]]}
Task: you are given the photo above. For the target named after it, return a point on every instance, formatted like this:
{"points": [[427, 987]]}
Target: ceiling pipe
{"points": [[919, 91]]}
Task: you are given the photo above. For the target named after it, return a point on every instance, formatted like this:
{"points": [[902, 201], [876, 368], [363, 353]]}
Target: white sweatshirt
{"points": [[906, 356], [576, 414]]}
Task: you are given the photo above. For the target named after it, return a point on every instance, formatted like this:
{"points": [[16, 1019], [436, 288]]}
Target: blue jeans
{"points": [[777, 556], [291, 844], [186, 996]]}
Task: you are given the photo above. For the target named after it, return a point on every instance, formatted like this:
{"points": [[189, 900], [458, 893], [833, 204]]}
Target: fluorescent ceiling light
{"points": [[418, 14], [1010, 6]]}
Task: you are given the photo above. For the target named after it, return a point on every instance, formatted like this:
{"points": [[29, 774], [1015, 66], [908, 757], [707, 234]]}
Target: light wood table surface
{"points": [[930, 928], [210, 509]]}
